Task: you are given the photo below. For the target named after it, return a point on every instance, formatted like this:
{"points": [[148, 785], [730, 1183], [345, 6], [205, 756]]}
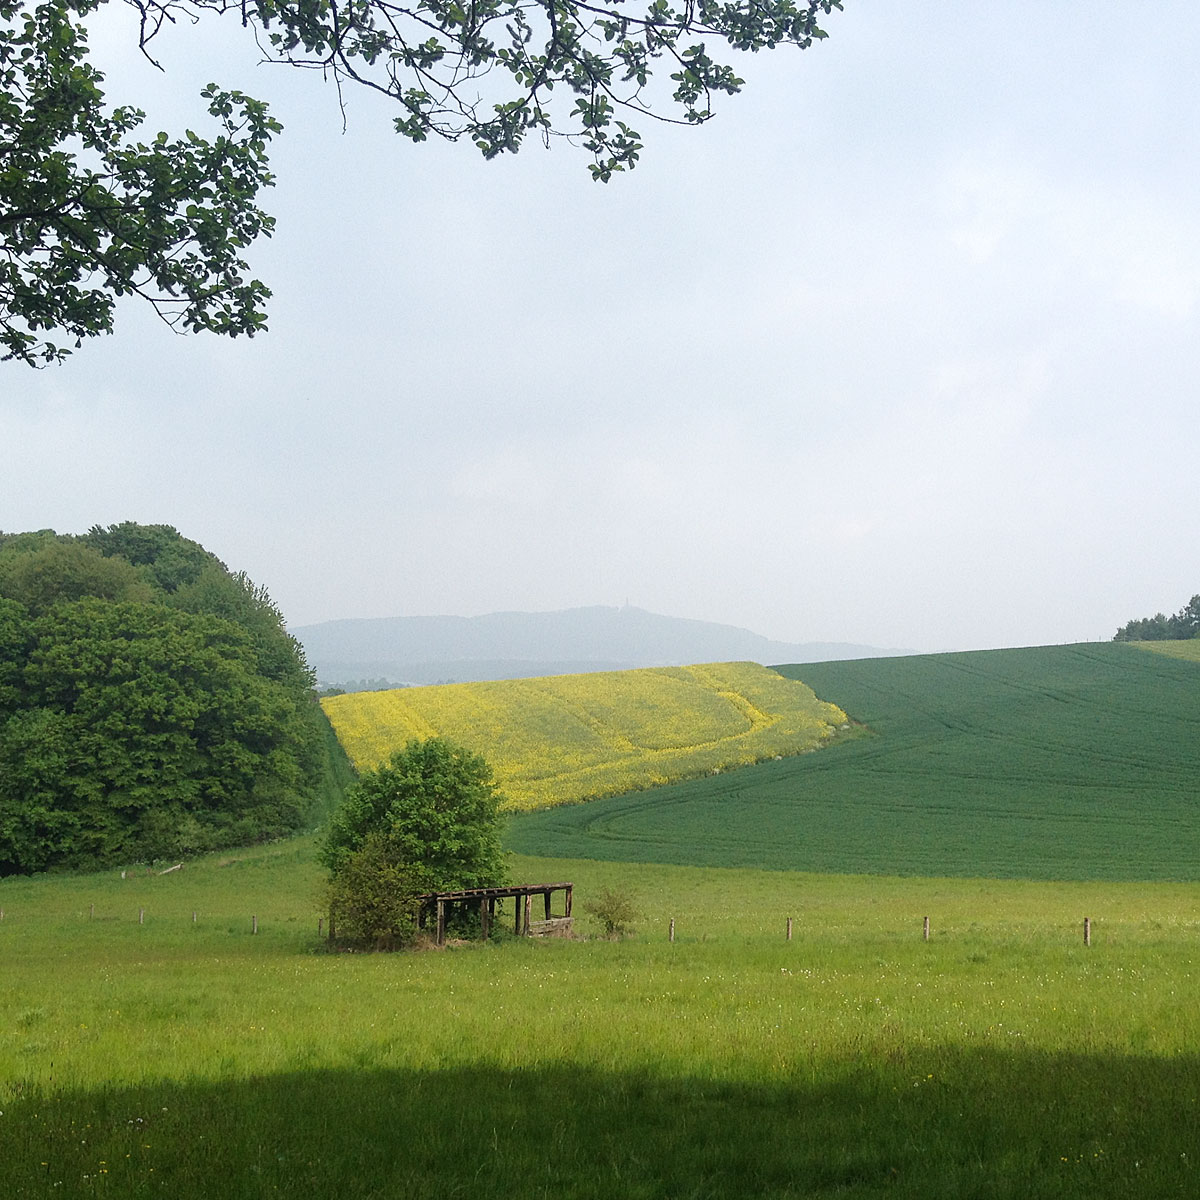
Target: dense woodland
{"points": [[152, 704], [1160, 628]]}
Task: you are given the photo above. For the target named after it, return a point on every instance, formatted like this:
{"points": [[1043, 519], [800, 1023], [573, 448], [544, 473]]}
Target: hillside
{"points": [[515, 645], [571, 737], [1071, 762]]}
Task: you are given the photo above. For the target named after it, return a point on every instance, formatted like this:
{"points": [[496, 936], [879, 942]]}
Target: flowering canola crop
{"points": [[564, 738]]}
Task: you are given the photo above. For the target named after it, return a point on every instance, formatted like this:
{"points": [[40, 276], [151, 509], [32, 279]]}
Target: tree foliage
{"points": [[134, 726], [1182, 625], [374, 897], [437, 805], [89, 213], [426, 820], [494, 71]]}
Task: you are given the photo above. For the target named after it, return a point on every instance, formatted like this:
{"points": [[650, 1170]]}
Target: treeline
{"points": [[152, 704], [1160, 628]]}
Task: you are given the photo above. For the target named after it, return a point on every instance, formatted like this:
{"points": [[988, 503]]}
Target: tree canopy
{"points": [[426, 820], [1180, 626], [152, 703], [89, 213]]}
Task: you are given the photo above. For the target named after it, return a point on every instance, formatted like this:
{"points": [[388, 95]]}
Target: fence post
{"points": [[789, 929], [1087, 931], [254, 924], [671, 931], [141, 916], [925, 929]]}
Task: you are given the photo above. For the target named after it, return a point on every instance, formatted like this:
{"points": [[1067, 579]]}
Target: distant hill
{"points": [[515, 645]]}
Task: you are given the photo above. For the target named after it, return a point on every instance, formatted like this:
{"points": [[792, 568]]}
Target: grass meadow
{"points": [[1002, 1058]]}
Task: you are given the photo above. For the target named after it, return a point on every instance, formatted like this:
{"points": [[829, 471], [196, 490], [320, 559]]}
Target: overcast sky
{"points": [[902, 349]]}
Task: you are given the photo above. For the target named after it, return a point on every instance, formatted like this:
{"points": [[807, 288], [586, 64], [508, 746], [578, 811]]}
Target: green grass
{"points": [[1002, 1058], [1072, 762]]}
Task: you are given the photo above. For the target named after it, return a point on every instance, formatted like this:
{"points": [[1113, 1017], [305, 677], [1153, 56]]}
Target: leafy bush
{"points": [[373, 896], [615, 910], [438, 806], [426, 821]]}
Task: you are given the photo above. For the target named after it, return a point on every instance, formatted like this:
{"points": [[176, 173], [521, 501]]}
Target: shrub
{"points": [[425, 821], [373, 896], [614, 910]]}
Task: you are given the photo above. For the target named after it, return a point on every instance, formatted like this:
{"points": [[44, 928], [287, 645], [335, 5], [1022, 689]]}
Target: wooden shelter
{"points": [[437, 904]]}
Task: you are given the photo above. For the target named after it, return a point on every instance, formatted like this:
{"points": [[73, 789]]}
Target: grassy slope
{"points": [[564, 738], [1188, 649], [1068, 762], [1000, 1059]]}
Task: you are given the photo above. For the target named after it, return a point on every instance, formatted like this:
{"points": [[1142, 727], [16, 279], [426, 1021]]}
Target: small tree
{"points": [[427, 820]]}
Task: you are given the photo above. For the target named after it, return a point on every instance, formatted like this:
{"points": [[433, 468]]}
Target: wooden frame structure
{"points": [[436, 903]]}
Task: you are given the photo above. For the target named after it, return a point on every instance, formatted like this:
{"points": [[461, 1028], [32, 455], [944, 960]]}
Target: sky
{"points": [[902, 349]]}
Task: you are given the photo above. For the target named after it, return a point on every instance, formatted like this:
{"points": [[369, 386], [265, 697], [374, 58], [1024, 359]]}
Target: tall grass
{"points": [[1001, 1058]]}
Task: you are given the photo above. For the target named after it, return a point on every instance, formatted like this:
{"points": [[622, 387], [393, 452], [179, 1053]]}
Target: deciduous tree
{"points": [[426, 820], [88, 212], [438, 807]]}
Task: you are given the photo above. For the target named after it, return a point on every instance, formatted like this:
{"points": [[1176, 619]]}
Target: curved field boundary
{"points": [[566, 738], [1067, 762]]}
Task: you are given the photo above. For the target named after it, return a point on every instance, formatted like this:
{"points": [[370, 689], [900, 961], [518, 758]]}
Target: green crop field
{"points": [[1002, 1058], [1071, 762]]}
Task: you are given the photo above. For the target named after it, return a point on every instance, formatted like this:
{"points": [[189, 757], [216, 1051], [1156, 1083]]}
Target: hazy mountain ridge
{"points": [[510, 645]]}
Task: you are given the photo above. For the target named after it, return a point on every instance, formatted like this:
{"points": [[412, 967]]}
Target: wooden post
{"points": [[193, 916], [141, 916], [254, 924], [546, 903], [484, 919], [517, 919], [92, 913], [671, 930], [925, 929], [441, 921], [1087, 931], [570, 889], [789, 932], [528, 911]]}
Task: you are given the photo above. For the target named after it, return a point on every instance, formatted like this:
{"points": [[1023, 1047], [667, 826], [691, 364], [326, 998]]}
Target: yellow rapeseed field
{"points": [[564, 738]]}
